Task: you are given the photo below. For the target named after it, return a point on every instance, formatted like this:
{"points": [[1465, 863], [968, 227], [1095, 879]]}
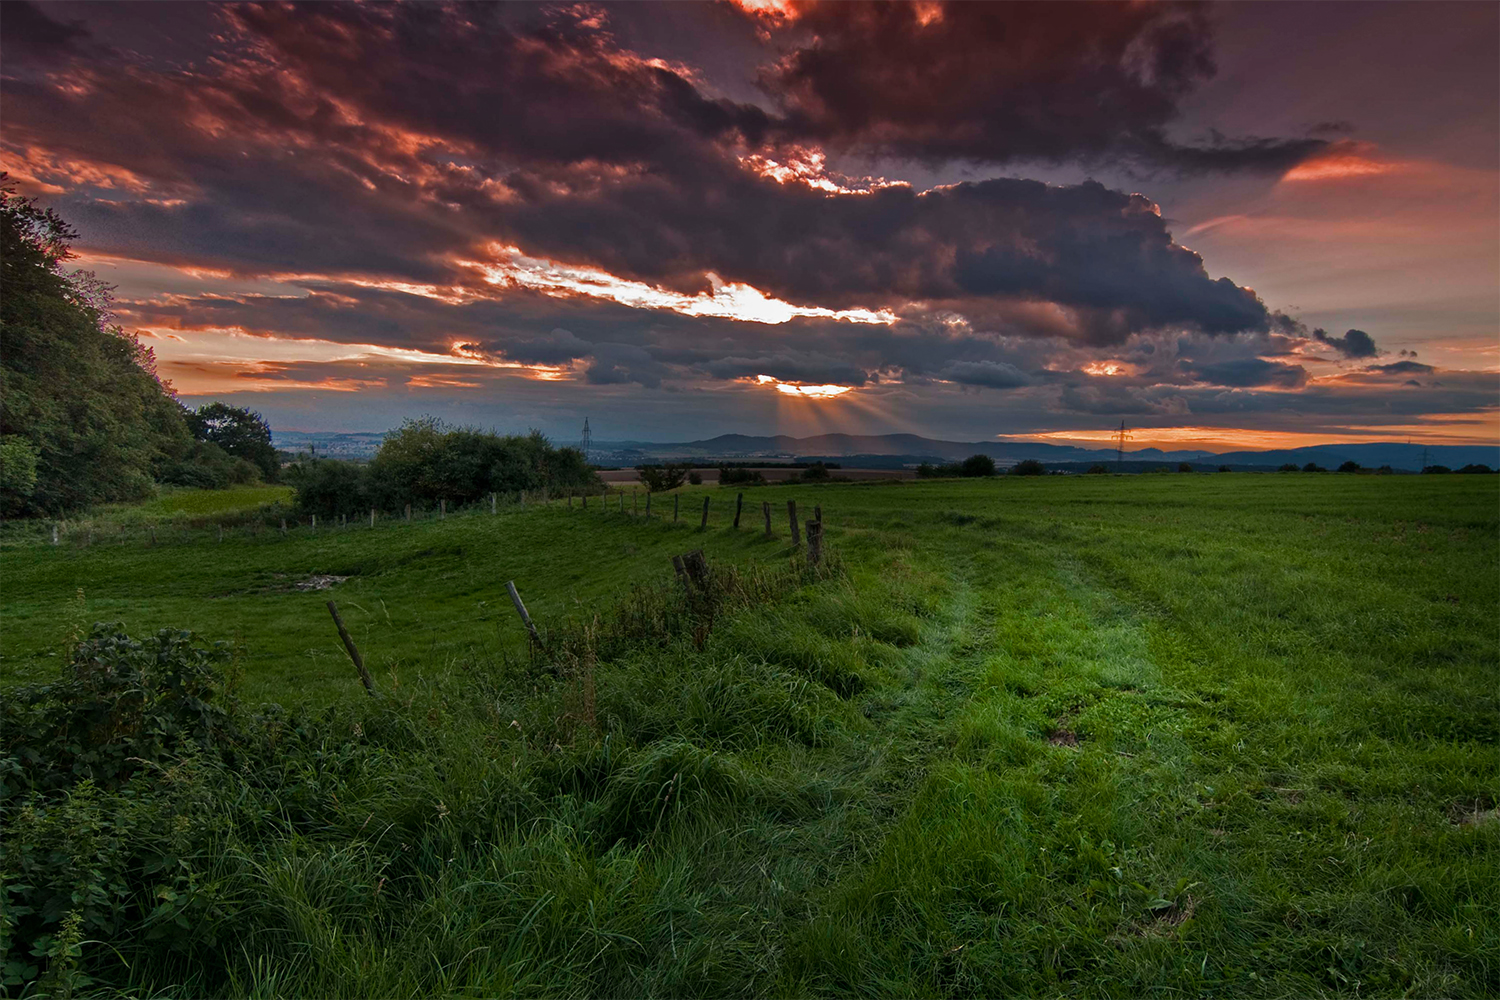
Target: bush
{"points": [[207, 466], [732, 476], [694, 479], [17, 474], [1288, 467], [977, 465], [1097, 470], [329, 488], [1028, 467], [815, 473], [1224, 468], [1313, 467], [1184, 467], [1477, 469], [661, 478], [1350, 466], [1437, 470]]}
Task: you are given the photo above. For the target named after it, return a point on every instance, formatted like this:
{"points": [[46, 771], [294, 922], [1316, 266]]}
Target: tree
{"points": [[815, 473], [82, 393], [1224, 468], [1350, 466], [1027, 467], [661, 478], [977, 465], [1437, 470], [1184, 467], [1313, 467], [1097, 470], [1288, 467], [1472, 469], [239, 432]]}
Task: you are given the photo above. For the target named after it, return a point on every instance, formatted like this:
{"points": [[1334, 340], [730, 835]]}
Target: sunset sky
{"points": [[1243, 225]]}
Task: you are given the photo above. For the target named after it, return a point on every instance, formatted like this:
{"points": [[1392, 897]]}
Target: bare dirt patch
{"points": [[318, 581]]}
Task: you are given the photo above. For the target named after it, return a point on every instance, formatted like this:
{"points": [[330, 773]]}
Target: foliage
{"points": [[1225, 468], [1097, 469], [1436, 470], [82, 393], [1288, 467], [1350, 466], [426, 462], [207, 466], [1477, 469], [1028, 467], [17, 474], [694, 479], [241, 433], [977, 465], [661, 478], [1184, 466], [1313, 467], [817, 472], [736, 476]]}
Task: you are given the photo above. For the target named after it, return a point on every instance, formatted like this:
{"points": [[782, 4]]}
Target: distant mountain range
{"points": [[896, 450]]}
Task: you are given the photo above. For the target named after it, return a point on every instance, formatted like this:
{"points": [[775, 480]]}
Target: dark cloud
{"points": [[390, 140], [1249, 373], [30, 35], [1401, 368], [1353, 344], [988, 374], [1000, 82]]}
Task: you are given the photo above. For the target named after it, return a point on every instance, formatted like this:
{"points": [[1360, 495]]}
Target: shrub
{"points": [[1097, 470], [1028, 467], [1384, 470], [17, 473], [1224, 468], [1288, 467], [1184, 467], [330, 488], [1477, 469], [1313, 467], [694, 479], [732, 476], [1436, 470], [661, 478], [1350, 466], [817, 472], [977, 465]]}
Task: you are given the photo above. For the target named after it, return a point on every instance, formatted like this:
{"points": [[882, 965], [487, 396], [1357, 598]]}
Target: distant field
{"points": [[1106, 736]]}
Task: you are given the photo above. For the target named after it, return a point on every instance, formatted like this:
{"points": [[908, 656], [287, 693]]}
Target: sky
{"points": [[1228, 226]]}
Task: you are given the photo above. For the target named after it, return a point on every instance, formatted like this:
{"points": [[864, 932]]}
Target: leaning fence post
{"points": [[705, 513], [814, 542], [585, 501], [315, 524], [791, 513], [765, 508], [359, 663], [677, 565], [739, 504], [676, 500], [515, 598]]}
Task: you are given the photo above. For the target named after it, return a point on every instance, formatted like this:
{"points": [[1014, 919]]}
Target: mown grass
{"points": [[1226, 734]]}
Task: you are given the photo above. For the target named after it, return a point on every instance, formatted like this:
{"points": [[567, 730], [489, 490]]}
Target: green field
{"points": [[1106, 736]]}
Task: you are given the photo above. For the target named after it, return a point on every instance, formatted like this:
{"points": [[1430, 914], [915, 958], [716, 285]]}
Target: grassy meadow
{"points": [[1091, 735]]}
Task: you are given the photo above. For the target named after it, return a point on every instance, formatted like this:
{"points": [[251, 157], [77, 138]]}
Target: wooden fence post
{"points": [[765, 508], [635, 502], [622, 501], [705, 513], [408, 513], [739, 505], [648, 503], [359, 663], [372, 517], [676, 501], [681, 572], [570, 499], [791, 513], [54, 534], [494, 509], [221, 534], [315, 524], [585, 501], [515, 598], [818, 513], [814, 542], [283, 527], [442, 509]]}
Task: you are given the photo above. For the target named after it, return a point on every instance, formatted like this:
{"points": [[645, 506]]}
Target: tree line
{"points": [[84, 417], [426, 462]]}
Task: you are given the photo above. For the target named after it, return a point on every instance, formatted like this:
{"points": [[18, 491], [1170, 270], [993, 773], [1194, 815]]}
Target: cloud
{"points": [[1001, 82], [989, 374], [1249, 373], [1401, 368], [1353, 344], [32, 36]]}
